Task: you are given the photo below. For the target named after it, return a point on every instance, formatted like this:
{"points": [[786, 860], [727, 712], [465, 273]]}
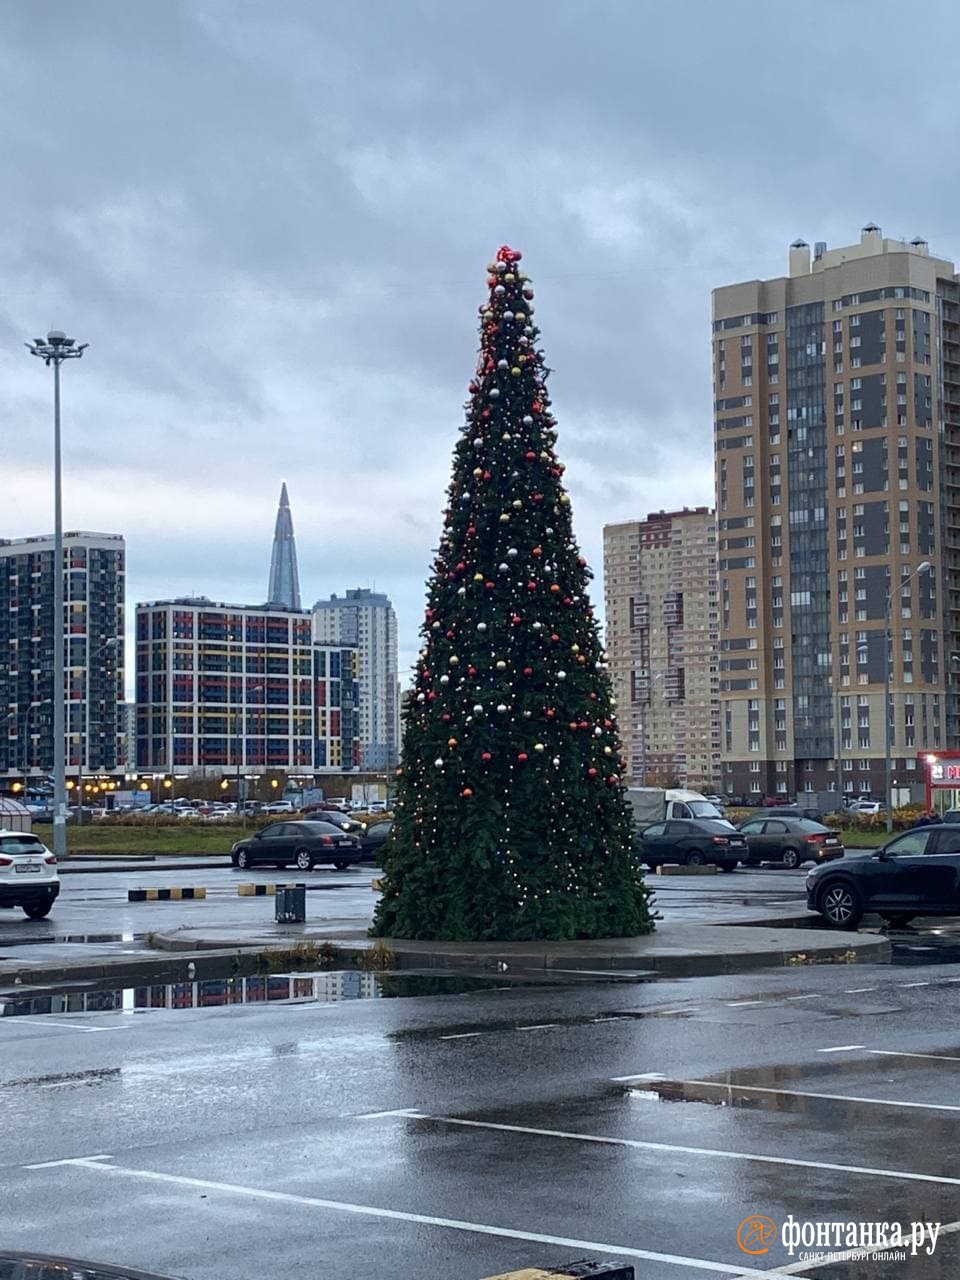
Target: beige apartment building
{"points": [[837, 433], [660, 590]]}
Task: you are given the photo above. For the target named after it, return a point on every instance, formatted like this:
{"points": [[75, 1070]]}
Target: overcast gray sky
{"points": [[271, 221]]}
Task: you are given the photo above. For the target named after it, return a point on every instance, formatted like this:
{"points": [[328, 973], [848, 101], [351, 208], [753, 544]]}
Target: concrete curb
{"points": [[797, 948], [105, 868]]}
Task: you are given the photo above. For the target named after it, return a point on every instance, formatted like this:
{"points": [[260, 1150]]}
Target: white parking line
{"points": [[740, 1004], [814, 995], [932, 1057], [45, 1020], [641, 1145], [732, 1087], [93, 1164], [856, 991], [462, 1035], [914, 984], [841, 1048], [382, 1115], [538, 1026]]}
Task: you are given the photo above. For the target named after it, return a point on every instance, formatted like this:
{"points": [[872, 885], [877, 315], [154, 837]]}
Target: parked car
{"points": [[338, 806], [914, 874], [279, 806], [377, 806], [342, 820], [28, 874], [374, 838], [774, 802], [865, 806], [951, 815], [302, 844], [789, 839], [693, 841]]}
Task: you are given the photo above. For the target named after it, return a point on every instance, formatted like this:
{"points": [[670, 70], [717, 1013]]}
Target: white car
{"points": [[865, 806], [28, 874], [279, 806]]}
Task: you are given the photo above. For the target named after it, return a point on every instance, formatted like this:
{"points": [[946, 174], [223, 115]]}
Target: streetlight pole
{"points": [[924, 567], [53, 350]]}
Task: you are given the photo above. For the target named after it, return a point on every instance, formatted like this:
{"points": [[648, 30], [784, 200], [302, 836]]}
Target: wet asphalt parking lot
{"points": [[462, 1135]]}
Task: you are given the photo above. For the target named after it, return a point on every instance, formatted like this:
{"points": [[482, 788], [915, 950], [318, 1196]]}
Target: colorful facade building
{"points": [[241, 688]]}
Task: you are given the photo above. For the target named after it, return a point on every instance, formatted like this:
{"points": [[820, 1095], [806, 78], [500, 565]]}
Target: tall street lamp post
{"points": [[53, 350], [924, 567]]}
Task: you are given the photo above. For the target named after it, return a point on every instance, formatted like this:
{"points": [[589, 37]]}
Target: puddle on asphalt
{"points": [[70, 937], [327, 987]]}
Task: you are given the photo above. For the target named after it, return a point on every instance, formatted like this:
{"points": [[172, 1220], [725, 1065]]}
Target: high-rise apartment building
{"points": [[241, 688], [660, 592], [365, 620], [93, 620], [837, 398]]}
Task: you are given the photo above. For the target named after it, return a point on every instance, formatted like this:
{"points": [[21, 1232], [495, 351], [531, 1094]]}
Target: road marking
{"points": [[641, 1145], [382, 1115], [740, 1004], [841, 1048], [462, 1035], [732, 1087], [44, 1019], [642, 1075], [813, 996], [914, 984], [856, 991], [538, 1026], [57, 1164], [478, 1228], [932, 1057]]}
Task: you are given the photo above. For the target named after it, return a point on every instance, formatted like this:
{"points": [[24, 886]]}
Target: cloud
{"points": [[271, 223]]}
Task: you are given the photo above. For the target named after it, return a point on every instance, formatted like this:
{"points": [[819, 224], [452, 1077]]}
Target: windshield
{"points": [[703, 808]]}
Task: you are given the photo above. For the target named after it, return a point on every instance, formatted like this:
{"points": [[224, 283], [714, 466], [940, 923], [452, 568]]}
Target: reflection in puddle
{"points": [[274, 988]]}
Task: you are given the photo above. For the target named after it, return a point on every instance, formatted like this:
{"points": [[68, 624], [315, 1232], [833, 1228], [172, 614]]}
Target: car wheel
{"points": [[728, 866], [233, 859], [243, 859], [38, 910], [840, 905], [694, 858], [341, 865], [303, 860], [790, 859]]}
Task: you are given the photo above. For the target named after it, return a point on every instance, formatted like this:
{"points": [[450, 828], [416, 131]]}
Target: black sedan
{"points": [[374, 838], [692, 841], [914, 874], [302, 844], [789, 840]]}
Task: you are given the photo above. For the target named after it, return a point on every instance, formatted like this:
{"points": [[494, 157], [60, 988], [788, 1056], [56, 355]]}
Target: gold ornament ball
{"points": [[505, 518], [454, 661], [517, 504], [478, 577], [501, 665]]}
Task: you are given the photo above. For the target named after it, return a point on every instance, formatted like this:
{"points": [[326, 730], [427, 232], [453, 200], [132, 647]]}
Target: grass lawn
{"points": [[108, 839], [870, 838]]}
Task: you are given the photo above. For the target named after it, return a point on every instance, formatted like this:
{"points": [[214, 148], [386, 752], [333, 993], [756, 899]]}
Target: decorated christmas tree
{"points": [[511, 819]]}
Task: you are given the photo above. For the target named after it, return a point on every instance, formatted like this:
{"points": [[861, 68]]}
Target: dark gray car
{"points": [[301, 844]]}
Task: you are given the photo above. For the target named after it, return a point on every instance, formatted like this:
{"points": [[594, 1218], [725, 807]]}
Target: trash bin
{"points": [[291, 903]]}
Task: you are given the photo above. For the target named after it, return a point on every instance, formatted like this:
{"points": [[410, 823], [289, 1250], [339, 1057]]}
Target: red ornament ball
{"points": [[591, 772], [530, 456], [528, 671], [490, 585], [523, 757], [471, 671], [486, 757], [467, 792]]}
